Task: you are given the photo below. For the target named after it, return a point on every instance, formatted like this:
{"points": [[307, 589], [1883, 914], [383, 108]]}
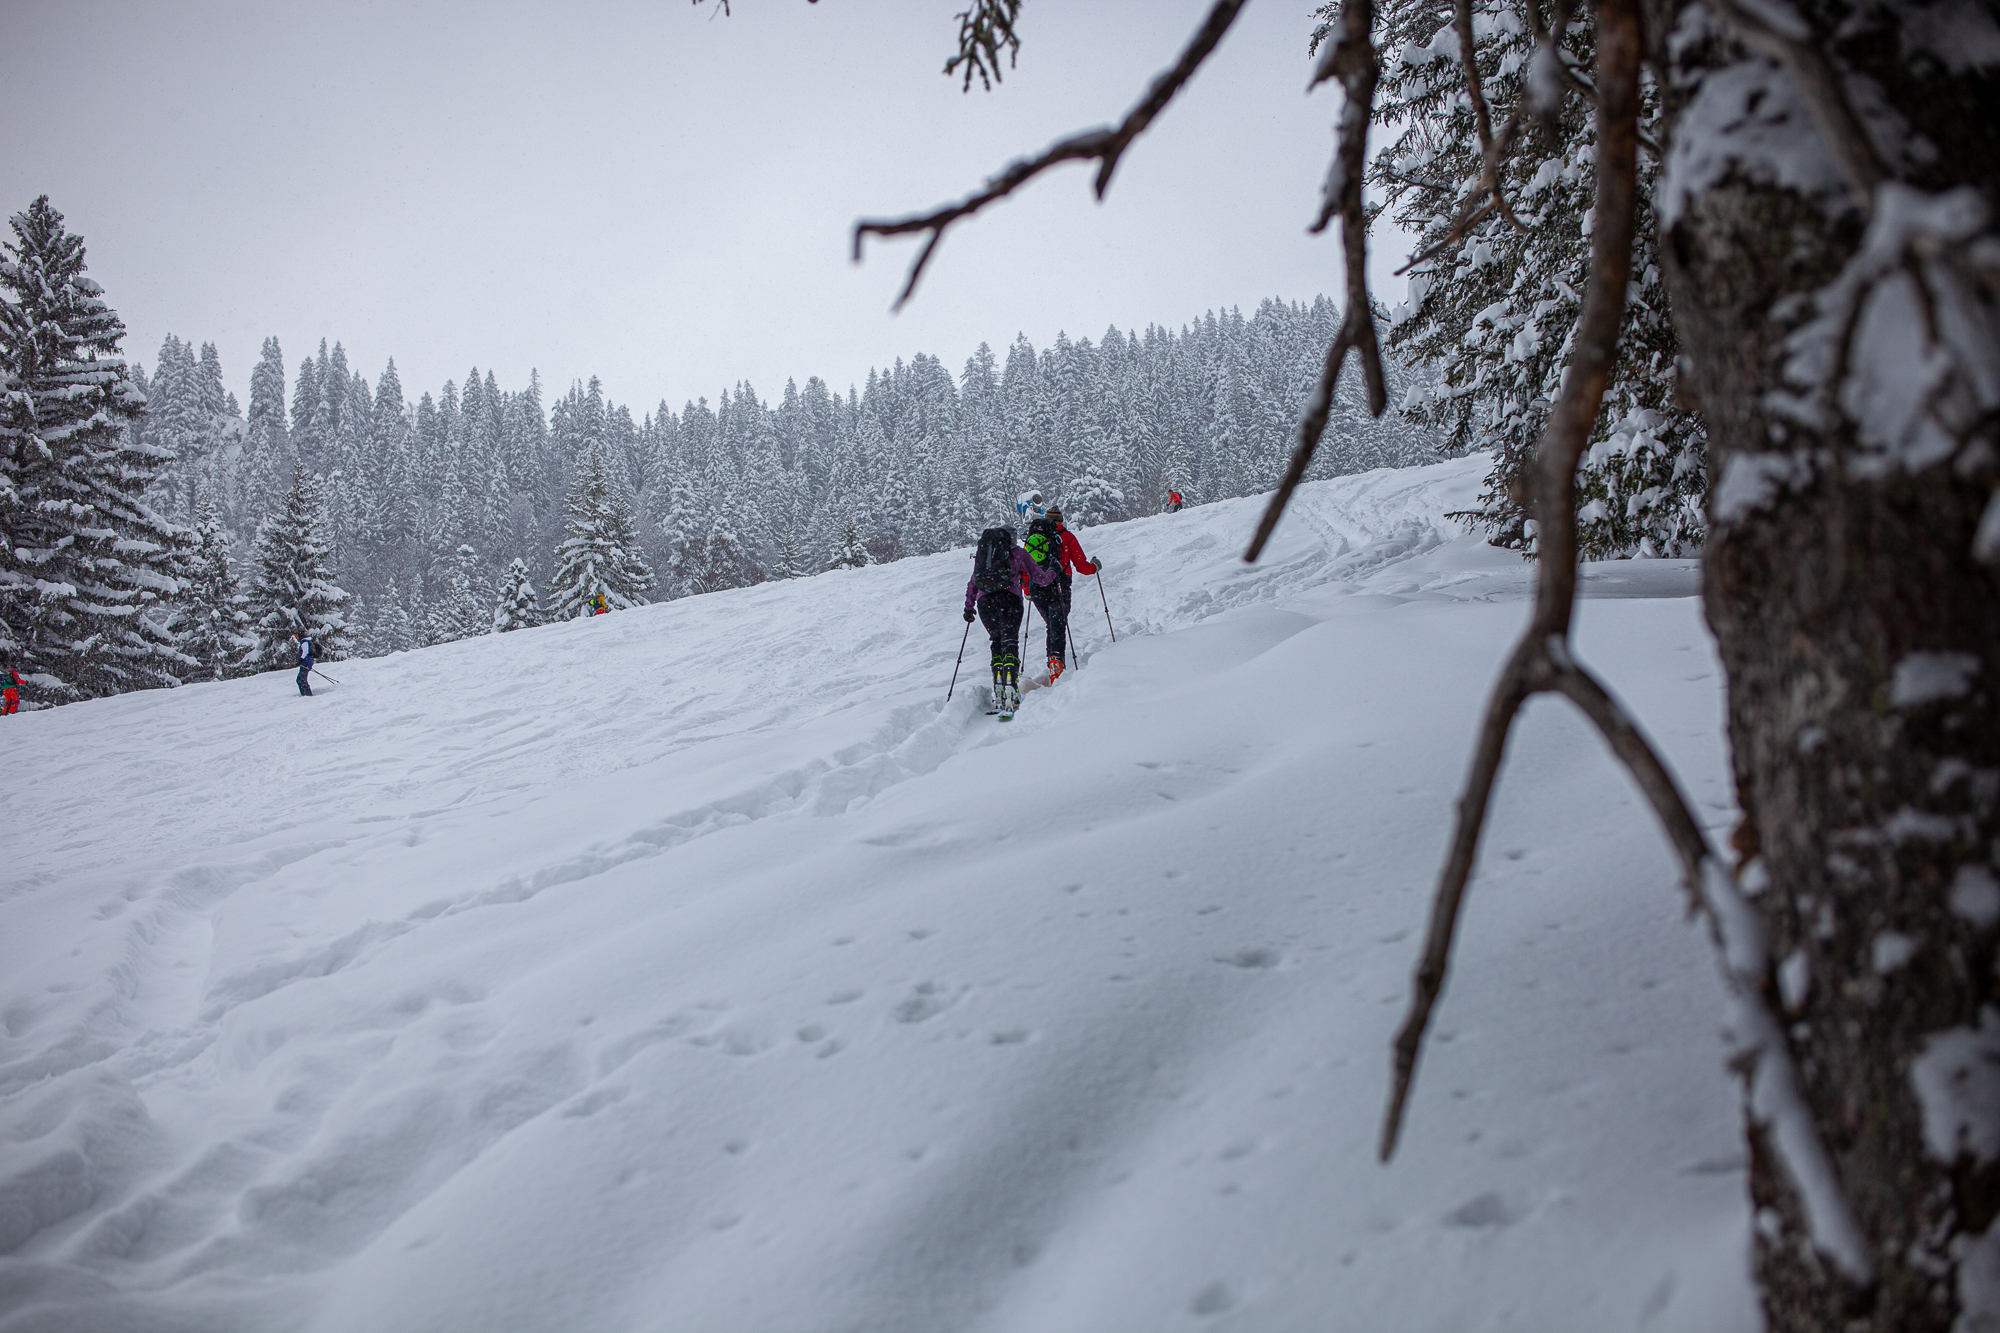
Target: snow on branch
{"points": [[1773, 28], [1104, 145], [1905, 343]]}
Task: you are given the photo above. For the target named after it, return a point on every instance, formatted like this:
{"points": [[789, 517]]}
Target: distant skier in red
{"points": [[1173, 502], [10, 686]]}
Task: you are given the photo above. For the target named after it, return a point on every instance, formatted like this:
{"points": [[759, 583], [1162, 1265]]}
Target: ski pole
{"points": [[961, 660], [1107, 607], [323, 676]]}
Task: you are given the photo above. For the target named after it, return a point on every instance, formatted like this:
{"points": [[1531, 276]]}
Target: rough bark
{"points": [[1860, 813]]}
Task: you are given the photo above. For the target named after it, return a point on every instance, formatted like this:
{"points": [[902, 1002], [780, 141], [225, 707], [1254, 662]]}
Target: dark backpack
{"points": [[993, 562]]}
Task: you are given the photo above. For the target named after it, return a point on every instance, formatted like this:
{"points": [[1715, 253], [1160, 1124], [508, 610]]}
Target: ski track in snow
{"points": [[699, 968]]}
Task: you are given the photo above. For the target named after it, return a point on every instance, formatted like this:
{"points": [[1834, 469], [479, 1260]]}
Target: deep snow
{"points": [[698, 968]]}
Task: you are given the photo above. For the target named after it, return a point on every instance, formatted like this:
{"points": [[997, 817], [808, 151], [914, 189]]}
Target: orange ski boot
{"points": [[1055, 669]]}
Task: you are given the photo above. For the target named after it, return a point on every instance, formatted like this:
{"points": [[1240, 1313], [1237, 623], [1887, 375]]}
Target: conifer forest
{"points": [[382, 518]]}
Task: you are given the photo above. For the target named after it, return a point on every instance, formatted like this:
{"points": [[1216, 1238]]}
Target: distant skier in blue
{"points": [[1029, 506], [305, 643]]}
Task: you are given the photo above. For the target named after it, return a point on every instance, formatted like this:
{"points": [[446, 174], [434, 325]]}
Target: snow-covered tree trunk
{"points": [[1835, 293]]}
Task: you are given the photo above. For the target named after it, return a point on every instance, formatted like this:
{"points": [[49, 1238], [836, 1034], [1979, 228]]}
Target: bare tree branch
{"points": [[1353, 61], [1468, 57], [1509, 693], [1541, 662], [1104, 145], [1629, 744], [1531, 669]]}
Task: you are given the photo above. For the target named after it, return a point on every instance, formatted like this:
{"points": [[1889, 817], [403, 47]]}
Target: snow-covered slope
{"points": [[699, 968]]}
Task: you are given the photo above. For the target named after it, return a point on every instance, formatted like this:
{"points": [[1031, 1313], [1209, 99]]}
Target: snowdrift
{"points": [[699, 968]]}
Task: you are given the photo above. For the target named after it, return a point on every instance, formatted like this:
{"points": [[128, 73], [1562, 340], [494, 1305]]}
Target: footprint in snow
{"points": [[1488, 1210], [927, 1001], [1251, 958]]}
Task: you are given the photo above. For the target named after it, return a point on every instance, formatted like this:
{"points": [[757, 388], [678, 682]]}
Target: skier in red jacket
{"points": [[1073, 559], [10, 686], [1053, 601]]}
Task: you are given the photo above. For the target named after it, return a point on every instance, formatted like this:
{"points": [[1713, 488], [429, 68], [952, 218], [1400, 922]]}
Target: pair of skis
{"points": [[1006, 702]]}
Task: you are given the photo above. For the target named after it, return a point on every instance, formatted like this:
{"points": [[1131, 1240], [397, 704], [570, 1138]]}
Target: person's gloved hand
{"points": [[1097, 565], [968, 615]]}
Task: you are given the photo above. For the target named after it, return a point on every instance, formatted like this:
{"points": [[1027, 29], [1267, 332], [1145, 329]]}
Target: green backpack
{"points": [[1044, 544]]}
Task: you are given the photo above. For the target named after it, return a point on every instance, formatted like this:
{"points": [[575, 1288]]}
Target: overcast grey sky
{"points": [[650, 192]]}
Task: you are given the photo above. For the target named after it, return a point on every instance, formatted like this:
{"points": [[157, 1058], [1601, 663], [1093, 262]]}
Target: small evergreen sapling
{"points": [[852, 552], [518, 606], [1091, 500]]}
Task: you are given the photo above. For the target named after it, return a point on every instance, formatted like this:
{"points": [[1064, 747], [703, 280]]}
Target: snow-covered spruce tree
{"points": [[852, 553], [362, 640], [518, 607], [1495, 304], [459, 611], [395, 628], [292, 587], [211, 621], [599, 551], [791, 554], [266, 461], [85, 565], [1090, 500]]}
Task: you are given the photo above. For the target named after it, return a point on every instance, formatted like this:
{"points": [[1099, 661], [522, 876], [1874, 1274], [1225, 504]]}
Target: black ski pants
{"points": [[1000, 612], [1053, 603]]}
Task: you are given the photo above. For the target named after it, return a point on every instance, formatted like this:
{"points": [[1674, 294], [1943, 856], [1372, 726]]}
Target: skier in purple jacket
{"points": [[999, 571]]}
